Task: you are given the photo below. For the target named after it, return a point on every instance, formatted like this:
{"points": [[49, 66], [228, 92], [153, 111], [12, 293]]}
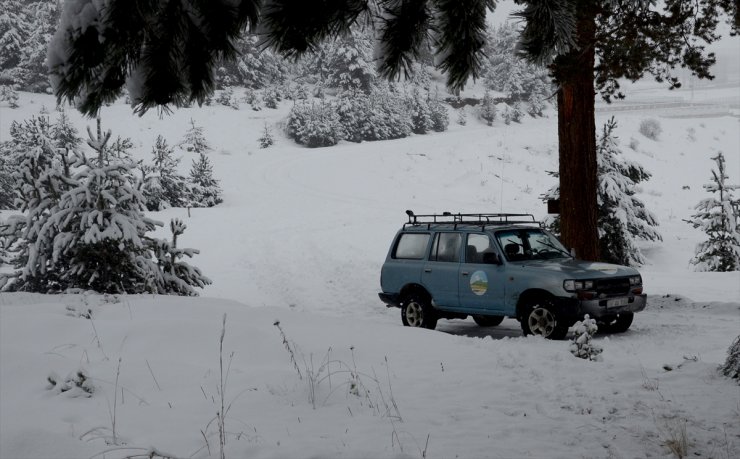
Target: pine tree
{"points": [[266, 139], [348, 62], [205, 190], [83, 226], [488, 109], [622, 216], [508, 73], [163, 185], [194, 140], [719, 218], [176, 276], [42, 177], [421, 115], [14, 30]]}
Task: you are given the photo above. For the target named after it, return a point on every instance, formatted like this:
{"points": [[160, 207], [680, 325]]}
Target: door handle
{"points": [[464, 273], [427, 270]]}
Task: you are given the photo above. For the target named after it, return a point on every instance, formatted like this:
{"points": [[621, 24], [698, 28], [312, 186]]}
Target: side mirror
{"points": [[491, 258]]}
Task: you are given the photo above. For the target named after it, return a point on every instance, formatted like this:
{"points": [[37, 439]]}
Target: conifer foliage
{"points": [[163, 185], [205, 190], [623, 217], [82, 225], [719, 218]]}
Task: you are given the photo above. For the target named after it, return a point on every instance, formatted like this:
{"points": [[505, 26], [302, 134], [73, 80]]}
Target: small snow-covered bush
{"points": [[76, 384], [439, 115], [314, 124], [226, 98], [488, 109], [731, 367], [8, 94], [266, 138], [650, 128], [421, 115], [271, 97], [462, 117], [582, 346]]}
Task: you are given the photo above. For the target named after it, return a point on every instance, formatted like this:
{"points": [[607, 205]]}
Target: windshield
{"points": [[530, 244]]}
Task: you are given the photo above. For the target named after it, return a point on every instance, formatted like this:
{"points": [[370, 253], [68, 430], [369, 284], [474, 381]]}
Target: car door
{"points": [[441, 271], [481, 282]]}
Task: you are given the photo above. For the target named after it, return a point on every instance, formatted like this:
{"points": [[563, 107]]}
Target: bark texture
{"points": [[577, 142]]}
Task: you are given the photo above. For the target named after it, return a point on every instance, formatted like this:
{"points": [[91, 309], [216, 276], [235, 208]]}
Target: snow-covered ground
{"points": [[300, 238]]}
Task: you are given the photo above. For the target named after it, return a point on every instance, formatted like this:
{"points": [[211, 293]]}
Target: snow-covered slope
{"points": [[300, 237]]}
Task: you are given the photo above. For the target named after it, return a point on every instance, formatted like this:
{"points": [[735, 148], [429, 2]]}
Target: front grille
{"points": [[618, 286]]}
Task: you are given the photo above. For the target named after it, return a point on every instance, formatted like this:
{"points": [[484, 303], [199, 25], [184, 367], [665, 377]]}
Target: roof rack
{"points": [[482, 220]]}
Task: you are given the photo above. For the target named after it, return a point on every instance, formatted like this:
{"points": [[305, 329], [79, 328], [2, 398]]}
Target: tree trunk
{"points": [[574, 73]]}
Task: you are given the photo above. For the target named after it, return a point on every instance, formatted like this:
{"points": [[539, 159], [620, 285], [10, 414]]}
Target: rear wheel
{"points": [[618, 324], [541, 318], [488, 321], [418, 312]]}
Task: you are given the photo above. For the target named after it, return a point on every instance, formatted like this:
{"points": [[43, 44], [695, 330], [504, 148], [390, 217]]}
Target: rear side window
{"points": [[412, 246], [446, 247]]}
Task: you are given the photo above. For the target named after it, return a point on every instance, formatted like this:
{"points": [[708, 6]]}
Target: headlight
{"points": [[571, 285], [635, 280]]}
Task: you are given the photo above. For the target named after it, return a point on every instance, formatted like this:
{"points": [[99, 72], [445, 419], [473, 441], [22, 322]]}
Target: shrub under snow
{"points": [[582, 346]]}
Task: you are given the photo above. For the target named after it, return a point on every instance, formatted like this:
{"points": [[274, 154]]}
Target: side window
{"points": [[412, 246], [446, 247], [478, 246]]}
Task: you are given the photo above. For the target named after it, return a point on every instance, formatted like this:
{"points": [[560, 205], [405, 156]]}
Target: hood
{"points": [[579, 269]]}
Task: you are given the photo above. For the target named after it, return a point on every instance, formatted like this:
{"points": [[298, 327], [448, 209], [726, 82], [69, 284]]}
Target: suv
{"points": [[492, 266]]}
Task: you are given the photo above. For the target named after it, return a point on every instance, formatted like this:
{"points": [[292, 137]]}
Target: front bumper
{"points": [[612, 306]]}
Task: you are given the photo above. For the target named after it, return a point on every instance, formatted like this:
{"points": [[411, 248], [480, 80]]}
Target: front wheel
{"points": [[541, 318], [418, 312], [488, 321]]}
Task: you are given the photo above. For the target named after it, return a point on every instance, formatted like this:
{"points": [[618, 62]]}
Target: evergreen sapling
{"points": [[205, 190], [719, 218]]}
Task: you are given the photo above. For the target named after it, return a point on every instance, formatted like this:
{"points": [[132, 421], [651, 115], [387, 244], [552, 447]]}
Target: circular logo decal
{"points": [[479, 283]]}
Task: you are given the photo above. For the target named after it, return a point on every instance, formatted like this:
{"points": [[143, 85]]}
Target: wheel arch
{"points": [[527, 296], [411, 289]]}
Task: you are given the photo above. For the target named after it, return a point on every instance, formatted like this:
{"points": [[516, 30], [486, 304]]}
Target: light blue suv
{"points": [[492, 266]]}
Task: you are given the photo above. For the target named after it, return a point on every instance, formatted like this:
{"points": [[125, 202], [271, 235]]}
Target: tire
{"points": [[541, 318], [418, 312], [488, 321], [618, 324]]}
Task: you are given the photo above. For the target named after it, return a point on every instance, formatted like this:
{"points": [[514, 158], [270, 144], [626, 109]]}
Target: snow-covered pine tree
{"points": [[205, 190], [719, 218], [163, 186], [509, 73], [255, 67], [14, 30], [622, 217], [194, 140], [9, 95], [418, 108], [42, 176], [266, 139], [439, 115], [731, 368], [488, 108], [83, 225], [32, 72], [349, 61], [176, 276]]}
